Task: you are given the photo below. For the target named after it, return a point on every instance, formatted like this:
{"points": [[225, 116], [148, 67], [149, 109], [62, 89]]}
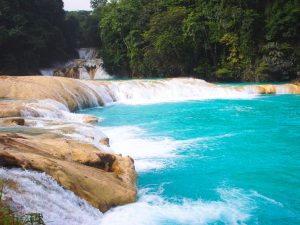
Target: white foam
{"points": [[77, 99], [270, 200], [152, 208], [148, 153], [125, 138], [50, 71], [49, 109], [102, 92], [144, 165], [91, 97], [170, 90], [84, 74], [90, 134], [87, 53], [56, 118], [101, 74], [39, 193], [174, 90], [47, 71]]}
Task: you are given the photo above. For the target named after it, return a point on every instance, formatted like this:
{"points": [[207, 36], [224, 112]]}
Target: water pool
{"points": [[209, 162]]}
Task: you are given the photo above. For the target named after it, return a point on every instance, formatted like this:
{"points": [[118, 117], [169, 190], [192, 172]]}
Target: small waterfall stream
{"points": [[87, 67]]}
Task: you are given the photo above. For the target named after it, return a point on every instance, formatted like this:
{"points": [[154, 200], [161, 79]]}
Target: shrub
{"points": [[8, 217]]}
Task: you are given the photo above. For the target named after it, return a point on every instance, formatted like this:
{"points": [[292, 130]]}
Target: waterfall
{"points": [[184, 89], [87, 53], [47, 71], [179, 89], [76, 94], [38, 192], [103, 92], [49, 109], [102, 74], [87, 67], [169, 90], [84, 74]]}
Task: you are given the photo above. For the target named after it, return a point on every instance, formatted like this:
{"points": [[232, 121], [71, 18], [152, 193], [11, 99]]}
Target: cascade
{"points": [[87, 53], [38, 192], [87, 67], [94, 93], [41, 193], [180, 89]]}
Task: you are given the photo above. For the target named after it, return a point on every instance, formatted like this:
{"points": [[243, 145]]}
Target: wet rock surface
{"points": [[103, 179]]}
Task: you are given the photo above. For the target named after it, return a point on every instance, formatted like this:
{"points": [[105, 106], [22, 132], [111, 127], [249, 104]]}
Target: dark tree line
{"points": [[85, 28], [224, 40], [33, 34]]}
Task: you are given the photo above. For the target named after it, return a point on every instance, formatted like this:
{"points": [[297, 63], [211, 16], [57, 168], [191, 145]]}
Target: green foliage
{"points": [[203, 38], [85, 28], [262, 72], [8, 217], [33, 34], [282, 21], [224, 73], [281, 60], [229, 40], [97, 3], [166, 45]]}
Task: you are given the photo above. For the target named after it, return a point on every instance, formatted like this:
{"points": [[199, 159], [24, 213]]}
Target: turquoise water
{"points": [[210, 162]]}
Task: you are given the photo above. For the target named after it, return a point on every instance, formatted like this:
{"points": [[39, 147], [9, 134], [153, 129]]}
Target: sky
{"points": [[72, 5]]}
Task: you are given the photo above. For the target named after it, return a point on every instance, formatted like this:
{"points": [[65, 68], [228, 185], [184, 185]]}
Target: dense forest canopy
{"points": [[86, 28], [33, 34], [248, 40], [225, 40]]}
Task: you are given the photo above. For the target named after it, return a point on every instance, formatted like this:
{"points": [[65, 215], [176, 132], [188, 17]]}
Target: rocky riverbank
{"points": [[101, 178], [39, 131], [41, 135]]}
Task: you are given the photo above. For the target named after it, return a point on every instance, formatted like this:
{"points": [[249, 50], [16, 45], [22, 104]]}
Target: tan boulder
{"points": [[103, 179], [90, 119], [71, 92], [266, 89], [271, 88], [104, 141], [295, 88]]}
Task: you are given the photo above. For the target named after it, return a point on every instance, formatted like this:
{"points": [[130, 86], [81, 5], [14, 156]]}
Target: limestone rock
{"points": [[90, 119], [72, 93], [104, 141], [12, 121], [103, 179]]}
